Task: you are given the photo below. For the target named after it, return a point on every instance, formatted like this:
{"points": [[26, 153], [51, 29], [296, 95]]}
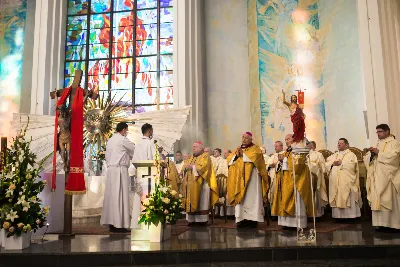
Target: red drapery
{"points": [[76, 181], [299, 126]]}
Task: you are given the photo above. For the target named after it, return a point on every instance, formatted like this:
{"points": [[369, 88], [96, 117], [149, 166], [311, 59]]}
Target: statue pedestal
{"points": [[144, 183]]}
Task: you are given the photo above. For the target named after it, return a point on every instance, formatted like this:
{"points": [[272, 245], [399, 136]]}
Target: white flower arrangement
{"points": [[18, 202]]}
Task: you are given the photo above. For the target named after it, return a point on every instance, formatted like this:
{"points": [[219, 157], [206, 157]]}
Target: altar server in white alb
{"points": [[344, 182], [145, 150], [383, 182], [119, 152]]}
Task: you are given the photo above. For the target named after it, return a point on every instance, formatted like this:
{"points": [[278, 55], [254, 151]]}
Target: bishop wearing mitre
{"points": [[317, 167], [247, 184], [383, 181], [344, 182], [199, 186], [291, 212]]}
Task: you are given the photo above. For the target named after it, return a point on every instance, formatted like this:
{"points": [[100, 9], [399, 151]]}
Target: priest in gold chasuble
{"points": [[344, 182], [200, 189], [284, 205], [247, 184], [383, 182]]}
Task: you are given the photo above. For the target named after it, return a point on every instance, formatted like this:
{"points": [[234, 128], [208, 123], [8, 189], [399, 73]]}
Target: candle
{"points": [[3, 150]]}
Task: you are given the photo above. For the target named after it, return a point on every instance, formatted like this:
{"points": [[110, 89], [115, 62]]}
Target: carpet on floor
{"points": [[103, 230]]}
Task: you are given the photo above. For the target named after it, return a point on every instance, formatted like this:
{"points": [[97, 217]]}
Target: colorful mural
{"points": [[126, 52], [12, 28], [289, 58]]}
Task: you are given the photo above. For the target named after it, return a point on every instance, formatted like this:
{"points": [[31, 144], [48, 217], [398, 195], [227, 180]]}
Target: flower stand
{"points": [[18, 242], [2, 238], [158, 233]]}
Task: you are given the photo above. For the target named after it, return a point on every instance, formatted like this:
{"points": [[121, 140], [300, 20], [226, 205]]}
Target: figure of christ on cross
{"points": [[297, 117], [69, 140]]}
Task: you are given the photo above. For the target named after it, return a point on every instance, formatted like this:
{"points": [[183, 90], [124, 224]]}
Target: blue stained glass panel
{"points": [[76, 37], [70, 67], [166, 15], [142, 96], [76, 7], [166, 30], [100, 21], [166, 46], [123, 19], [75, 52], [146, 63], [98, 67], [146, 79], [146, 16], [145, 48], [99, 36], [120, 5], [166, 79], [121, 81], [77, 23], [141, 4], [147, 31], [166, 62], [98, 51], [166, 3], [121, 96], [99, 6]]}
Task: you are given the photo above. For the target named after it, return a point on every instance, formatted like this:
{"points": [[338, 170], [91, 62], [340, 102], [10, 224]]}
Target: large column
{"points": [[47, 51], [189, 87], [372, 66]]}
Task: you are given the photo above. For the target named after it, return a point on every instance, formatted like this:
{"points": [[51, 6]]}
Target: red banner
{"points": [[300, 97]]}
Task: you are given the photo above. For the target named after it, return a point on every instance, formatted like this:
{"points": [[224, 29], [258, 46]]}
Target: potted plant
{"points": [[21, 209], [161, 210]]}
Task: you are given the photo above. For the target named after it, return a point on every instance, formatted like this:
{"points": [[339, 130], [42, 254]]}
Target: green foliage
{"points": [[20, 208], [162, 206]]}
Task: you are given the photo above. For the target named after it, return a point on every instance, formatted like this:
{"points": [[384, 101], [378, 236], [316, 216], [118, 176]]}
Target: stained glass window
{"points": [[124, 48]]}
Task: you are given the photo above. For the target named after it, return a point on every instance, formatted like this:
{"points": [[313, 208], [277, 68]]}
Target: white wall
{"points": [[343, 82], [227, 72]]}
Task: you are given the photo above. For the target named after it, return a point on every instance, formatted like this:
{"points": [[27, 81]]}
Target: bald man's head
{"points": [[289, 140]]}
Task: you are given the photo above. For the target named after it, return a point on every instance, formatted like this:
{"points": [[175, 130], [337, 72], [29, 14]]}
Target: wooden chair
{"points": [[221, 181]]}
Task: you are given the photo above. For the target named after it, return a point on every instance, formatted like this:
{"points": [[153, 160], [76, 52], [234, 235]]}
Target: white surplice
{"points": [[300, 218], [252, 206], [204, 201], [383, 183], [318, 168], [272, 174], [119, 152], [145, 150]]}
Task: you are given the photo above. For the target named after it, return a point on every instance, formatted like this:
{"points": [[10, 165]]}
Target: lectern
{"points": [[145, 178]]}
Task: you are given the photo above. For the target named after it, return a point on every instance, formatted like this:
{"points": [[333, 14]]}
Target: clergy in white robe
{"points": [[247, 183], [292, 202], [317, 166], [344, 182], [179, 167], [272, 167], [145, 150], [199, 186], [383, 181], [221, 172], [119, 152]]}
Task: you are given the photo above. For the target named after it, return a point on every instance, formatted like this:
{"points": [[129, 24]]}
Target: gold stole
{"points": [[239, 174]]}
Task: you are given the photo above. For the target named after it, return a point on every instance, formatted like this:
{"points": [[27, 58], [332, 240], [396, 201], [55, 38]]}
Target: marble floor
{"points": [[360, 233], [210, 246]]}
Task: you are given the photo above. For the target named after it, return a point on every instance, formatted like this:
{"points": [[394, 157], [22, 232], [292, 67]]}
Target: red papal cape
{"points": [[76, 181]]}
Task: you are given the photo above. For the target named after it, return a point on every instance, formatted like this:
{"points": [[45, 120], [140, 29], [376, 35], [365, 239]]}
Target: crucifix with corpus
{"points": [[69, 141]]}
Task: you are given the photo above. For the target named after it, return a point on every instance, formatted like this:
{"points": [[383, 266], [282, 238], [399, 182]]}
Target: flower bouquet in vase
{"points": [[161, 210], [20, 208]]}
